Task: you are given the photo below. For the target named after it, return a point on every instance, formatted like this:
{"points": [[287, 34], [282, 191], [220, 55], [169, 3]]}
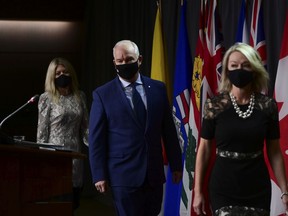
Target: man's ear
{"points": [[140, 58]]}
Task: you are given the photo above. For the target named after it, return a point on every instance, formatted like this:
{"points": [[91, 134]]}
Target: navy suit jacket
{"points": [[120, 150]]}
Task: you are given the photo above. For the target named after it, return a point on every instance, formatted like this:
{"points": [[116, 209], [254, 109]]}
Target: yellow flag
{"points": [[159, 71], [159, 68]]}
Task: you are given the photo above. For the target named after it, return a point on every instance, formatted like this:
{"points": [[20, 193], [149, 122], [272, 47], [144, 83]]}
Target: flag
{"points": [[281, 97], [159, 68], [257, 40], [176, 193], [159, 71], [213, 53], [257, 34], [195, 98], [205, 79], [242, 34]]}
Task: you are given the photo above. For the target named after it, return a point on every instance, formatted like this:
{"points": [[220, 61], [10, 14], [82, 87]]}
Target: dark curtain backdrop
{"points": [[107, 22]]}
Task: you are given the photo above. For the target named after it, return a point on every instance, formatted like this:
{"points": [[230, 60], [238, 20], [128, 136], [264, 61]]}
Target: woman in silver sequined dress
{"points": [[63, 116], [240, 119]]}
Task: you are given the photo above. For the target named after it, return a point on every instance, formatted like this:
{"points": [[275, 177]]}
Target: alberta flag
{"points": [[181, 193]]}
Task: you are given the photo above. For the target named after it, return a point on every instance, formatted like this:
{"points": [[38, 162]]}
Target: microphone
{"points": [[32, 100]]}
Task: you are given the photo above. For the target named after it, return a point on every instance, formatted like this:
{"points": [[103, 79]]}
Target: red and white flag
{"points": [[257, 34], [195, 98], [281, 96], [206, 76]]}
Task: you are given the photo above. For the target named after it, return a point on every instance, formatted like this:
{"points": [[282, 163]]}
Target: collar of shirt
{"points": [[125, 83]]}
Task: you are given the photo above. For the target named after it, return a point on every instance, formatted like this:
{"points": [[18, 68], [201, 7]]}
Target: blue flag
{"points": [[242, 34], [175, 193]]}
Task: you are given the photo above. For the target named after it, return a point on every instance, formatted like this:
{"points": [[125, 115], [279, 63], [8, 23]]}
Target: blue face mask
{"points": [[240, 77], [63, 81], [127, 71]]}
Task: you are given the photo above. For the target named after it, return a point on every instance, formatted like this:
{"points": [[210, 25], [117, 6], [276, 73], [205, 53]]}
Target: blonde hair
{"points": [[50, 78], [260, 74], [127, 45]]}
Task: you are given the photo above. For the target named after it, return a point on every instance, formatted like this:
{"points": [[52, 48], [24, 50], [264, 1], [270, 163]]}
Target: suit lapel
{"points": [[124, 100], [149, 96]]}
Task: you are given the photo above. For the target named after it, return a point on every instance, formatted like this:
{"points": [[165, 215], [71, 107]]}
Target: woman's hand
{"points": [[199, 204], [285, 202]]}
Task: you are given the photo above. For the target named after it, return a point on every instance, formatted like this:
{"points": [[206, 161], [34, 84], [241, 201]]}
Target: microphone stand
{"points": [[4, 136], [20, 108]]}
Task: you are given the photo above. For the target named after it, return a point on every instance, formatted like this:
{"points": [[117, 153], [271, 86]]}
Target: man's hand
{"points": [[101, 186], [176, 177]]}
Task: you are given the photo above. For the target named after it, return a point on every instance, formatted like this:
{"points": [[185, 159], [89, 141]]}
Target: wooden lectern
{"points": [[33, 180]]}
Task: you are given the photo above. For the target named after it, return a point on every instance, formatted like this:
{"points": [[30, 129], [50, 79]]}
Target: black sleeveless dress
{"points": [[239, 182]]}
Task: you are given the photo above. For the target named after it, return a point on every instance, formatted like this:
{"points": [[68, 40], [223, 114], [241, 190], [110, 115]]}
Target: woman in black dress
{"points": [[240, 119]]}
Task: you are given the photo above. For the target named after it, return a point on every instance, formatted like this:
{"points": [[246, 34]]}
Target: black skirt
{"points": [[240, 184]]}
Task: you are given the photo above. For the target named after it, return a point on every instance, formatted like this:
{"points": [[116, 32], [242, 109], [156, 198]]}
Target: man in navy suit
{"points": [[124, 153]]}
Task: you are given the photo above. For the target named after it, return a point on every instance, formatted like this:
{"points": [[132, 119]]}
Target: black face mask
{"points": [[240, 77], [63, 81], [127, 71]]}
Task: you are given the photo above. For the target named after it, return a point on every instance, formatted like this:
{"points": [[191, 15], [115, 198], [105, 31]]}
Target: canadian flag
{"points": [[281, 96]]}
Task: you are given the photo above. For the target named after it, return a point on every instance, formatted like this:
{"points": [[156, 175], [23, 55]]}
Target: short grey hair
{"points": [[128, 45]]}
